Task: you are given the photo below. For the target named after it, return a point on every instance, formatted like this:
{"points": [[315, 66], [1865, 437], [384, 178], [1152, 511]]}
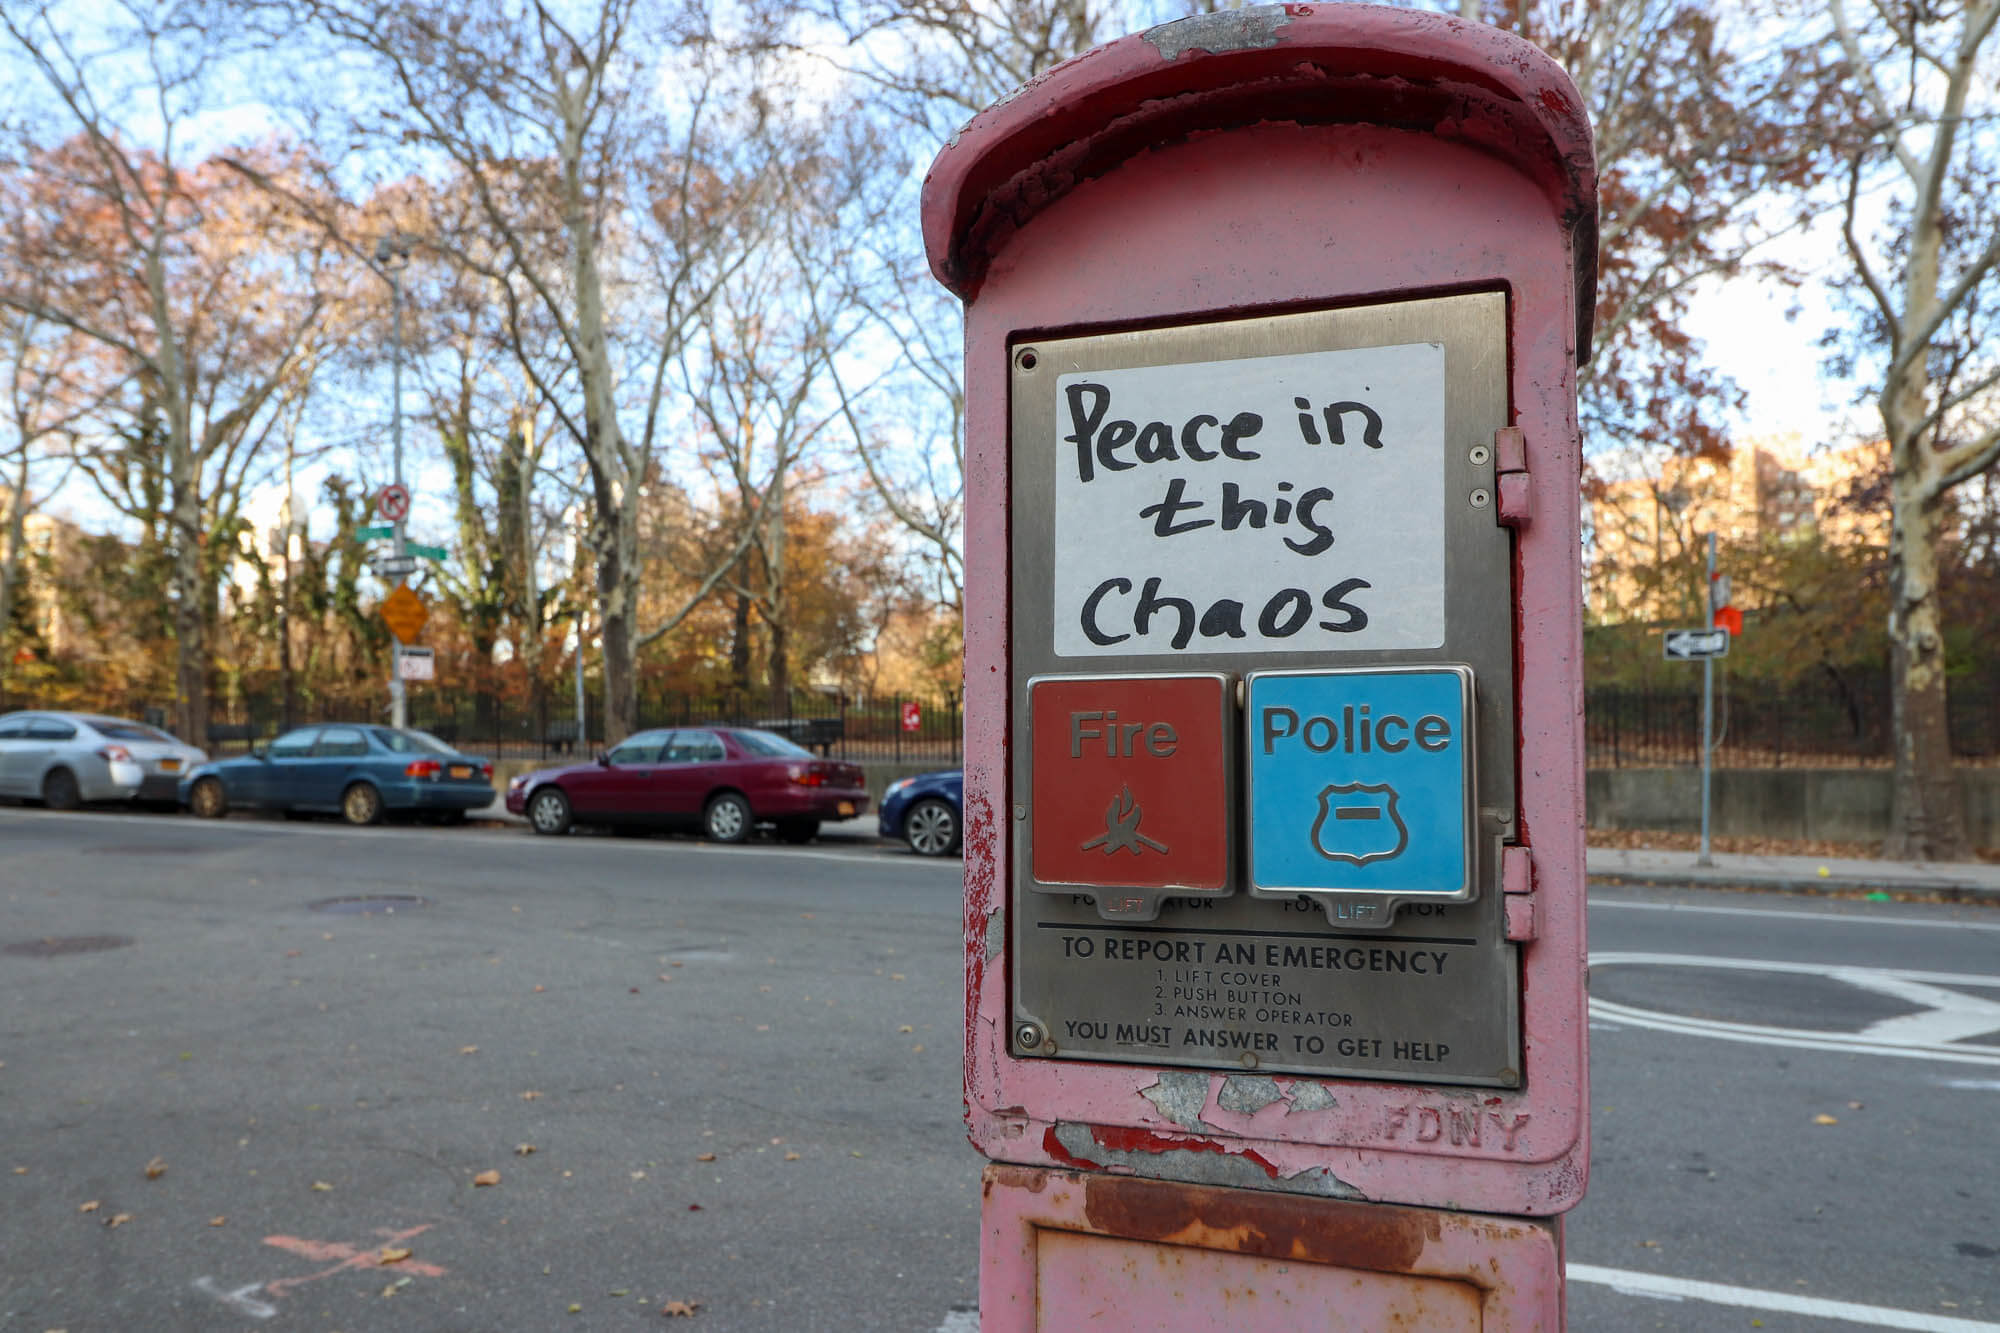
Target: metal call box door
{"points": [[1292, 517]]}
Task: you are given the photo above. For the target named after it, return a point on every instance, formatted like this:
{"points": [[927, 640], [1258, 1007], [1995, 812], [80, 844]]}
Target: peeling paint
{"points": [[1231, 30], [1247, 1094], [1311, 1097], [1180, 1097], [1196, 1161]]}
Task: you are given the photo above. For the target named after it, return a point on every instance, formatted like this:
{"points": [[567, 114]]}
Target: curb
{"points": [[1951, 890]]}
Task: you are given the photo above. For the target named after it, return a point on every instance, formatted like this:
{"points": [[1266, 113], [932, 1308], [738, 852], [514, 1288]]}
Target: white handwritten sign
{"points": [[1279, 503]]}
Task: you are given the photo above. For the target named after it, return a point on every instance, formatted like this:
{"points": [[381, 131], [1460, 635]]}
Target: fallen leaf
{"points": [[524, 1149], [638, 1175], [763, 1027], [396, 1286], [468, 1050], [917, 1049], [117, 1219], [677, 963], [326, 937], [775, 1142], [791, 1157], [294, 953], [704, 1157], [694, 1207], [574, 1308], [217, 1221], [665, 977], [531, 1096], [20, 1170], [906, 1028], [393, 1254], [621, 1291], [156, 1168], [487, 1178], [680, 1309], [1649, 1245], [321, 1185], [1854, 1106], [90, 1207], [540, 989], [895, 976], [1824, 1119]]}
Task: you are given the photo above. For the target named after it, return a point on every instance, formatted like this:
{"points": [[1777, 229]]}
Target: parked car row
{"points": [[723, 781]]}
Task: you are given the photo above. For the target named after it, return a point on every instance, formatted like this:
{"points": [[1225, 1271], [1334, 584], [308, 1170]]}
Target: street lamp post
{"points": [[391, 254]]}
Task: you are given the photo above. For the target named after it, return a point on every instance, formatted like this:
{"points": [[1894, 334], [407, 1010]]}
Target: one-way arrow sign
{"points": [[1691, 645]]}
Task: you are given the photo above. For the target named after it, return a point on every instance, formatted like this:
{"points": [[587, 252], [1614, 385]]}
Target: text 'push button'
{"points": [[1131, 788]]}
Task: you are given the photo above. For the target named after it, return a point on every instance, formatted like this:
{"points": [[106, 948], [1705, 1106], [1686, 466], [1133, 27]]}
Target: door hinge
{"points": [[1517, 888], [1510, 477]]}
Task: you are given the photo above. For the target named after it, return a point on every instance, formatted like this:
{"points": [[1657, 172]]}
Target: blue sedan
{"points": [[358, 772], [926, 811]]}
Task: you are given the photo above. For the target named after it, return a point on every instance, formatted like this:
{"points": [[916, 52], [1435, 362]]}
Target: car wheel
{"points": [[208, 800], [59, 790], [931, 828], [548, 811], [727, 818], [361, 804], [798, 830]]}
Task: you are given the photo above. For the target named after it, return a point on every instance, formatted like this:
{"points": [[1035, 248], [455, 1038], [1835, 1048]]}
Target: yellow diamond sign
{"points": [[405, 613]]}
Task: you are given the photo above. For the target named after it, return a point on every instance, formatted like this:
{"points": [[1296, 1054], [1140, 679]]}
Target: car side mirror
{"points": [[603, 759]]}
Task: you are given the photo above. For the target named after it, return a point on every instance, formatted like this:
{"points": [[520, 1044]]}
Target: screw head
{"points": [[1028, 1035], [1480, 453], [1481, 498]]}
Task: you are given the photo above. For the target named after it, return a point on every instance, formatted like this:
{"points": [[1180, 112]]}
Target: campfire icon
{"points": [[1121, 828]]}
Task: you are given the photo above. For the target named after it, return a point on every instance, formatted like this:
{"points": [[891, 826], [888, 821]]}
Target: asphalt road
{"points": [[744, 1068]]}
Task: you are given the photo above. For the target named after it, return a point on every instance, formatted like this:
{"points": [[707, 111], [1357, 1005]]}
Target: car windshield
{"points": [[411, 742], [770, 743], [119, 730]]}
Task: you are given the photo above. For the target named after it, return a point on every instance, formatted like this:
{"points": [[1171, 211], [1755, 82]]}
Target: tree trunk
{"points": [[1926, 820], [739, 647], [618, 607], [190, 619]]}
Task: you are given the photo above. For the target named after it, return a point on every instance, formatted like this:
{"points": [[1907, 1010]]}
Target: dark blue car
{"points": [[356, 771], [926, 811]]}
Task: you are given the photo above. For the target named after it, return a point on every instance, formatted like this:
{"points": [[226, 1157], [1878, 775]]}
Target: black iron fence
{"points": [[1822, 720], [898, 728]]}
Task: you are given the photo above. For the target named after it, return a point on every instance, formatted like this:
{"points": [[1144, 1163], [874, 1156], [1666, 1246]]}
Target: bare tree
{"points": [[604, 210], [1929, 170], [161, 261]]}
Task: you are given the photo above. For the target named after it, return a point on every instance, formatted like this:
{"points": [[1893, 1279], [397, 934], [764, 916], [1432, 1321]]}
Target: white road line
{"points": [[1972, 1084], [1930, 1035], [1601, 904], [1779, 1302], [239, 1300]]}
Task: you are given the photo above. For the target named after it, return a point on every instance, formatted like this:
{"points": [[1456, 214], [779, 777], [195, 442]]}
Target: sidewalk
{"points": [[1795, 874]]}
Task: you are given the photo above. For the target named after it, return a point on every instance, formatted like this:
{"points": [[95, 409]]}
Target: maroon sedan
{"points": [[724, 780]]}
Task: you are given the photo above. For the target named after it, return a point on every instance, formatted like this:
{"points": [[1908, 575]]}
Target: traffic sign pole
{"points": [[1707, 706], [399, 698]]}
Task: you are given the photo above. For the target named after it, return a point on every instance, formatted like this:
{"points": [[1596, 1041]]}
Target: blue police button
{"points": [[1361, 781]]}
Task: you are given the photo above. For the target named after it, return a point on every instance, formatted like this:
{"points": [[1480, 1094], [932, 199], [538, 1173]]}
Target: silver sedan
{"points": [[66, 759]]}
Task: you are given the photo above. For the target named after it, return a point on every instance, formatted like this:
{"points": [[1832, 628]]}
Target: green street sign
{"points": [[427, 552], [384, 530]]}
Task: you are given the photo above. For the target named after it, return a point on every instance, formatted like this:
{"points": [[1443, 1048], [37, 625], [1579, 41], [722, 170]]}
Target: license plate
{"points": [[846, 809], [461, 770], [170, 765]]}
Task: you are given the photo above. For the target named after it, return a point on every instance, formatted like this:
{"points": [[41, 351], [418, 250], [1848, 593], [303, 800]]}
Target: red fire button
{"points": [[1130, 786]]}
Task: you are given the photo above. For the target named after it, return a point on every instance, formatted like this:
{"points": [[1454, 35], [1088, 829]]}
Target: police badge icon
{"points": [[1358, 822]]}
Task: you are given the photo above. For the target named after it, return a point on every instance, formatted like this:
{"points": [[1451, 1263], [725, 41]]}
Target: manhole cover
{"points": [[55, 946], [387, 904]]}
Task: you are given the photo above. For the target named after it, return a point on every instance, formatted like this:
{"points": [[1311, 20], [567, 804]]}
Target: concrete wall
{"points": [[1834, 804]]}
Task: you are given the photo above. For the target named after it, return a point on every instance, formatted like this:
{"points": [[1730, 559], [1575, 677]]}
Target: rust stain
{"points": [[1378, 1237], [1120, 1138]]}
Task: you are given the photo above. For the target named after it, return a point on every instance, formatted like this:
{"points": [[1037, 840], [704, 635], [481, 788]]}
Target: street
{"points": [[729, 1078]]}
